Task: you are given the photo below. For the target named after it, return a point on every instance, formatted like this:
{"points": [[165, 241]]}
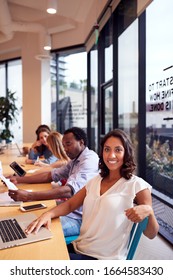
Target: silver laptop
{"points": [[12, 231], [21, 154]]}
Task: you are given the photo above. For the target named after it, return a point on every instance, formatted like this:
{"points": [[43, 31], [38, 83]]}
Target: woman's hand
{"points": [[36, 144], [29, 161], [40, 163], [43, 220], [137, 213]]}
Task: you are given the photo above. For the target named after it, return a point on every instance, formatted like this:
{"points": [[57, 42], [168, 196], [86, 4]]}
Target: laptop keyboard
{"points": [[10, 230]]}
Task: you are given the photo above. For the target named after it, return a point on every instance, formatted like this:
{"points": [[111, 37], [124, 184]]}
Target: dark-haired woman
{"points": [[40, 148], [108, 204]]}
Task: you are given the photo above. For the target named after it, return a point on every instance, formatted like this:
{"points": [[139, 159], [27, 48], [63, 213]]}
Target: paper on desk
{"points": [[32, 170], [6, 200]]}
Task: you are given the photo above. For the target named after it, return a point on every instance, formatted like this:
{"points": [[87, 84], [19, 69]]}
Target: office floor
{"points": [[155, 249]]}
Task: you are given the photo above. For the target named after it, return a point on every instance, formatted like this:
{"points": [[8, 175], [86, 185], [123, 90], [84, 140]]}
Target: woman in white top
{"points": [[108, 204]]}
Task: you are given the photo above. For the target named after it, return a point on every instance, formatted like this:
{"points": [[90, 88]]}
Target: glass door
{"points": [[106, 108]]}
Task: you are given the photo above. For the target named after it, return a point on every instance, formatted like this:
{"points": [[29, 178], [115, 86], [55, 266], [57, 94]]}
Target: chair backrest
{"points": [[135, 236], [69, 239]]}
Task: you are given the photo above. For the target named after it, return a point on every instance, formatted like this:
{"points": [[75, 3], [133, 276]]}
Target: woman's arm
{"points": [[37, 143], [33, 153], [61, 210], [142, 210]]}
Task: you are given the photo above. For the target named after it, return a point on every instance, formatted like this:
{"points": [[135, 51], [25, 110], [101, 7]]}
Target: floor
{"points": [[155, 249]]}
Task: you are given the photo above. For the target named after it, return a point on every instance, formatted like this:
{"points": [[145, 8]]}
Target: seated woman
{"points": [[108, 204], [40, 147], [54, 141]]}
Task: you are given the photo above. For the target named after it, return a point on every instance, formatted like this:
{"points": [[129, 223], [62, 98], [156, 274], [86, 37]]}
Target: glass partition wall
{"points": [[128, 82], [159, 111], [93, 98], [71, 90]]}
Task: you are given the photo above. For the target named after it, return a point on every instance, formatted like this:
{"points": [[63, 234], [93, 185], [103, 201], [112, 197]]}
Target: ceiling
{"points": [[71, 25], [31, 15]]}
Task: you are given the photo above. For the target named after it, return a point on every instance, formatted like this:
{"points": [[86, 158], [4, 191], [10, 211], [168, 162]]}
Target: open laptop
{"points": [[12, 231], [21, 153]]}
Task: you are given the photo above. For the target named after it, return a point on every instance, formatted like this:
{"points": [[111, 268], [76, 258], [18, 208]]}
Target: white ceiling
{"points": [[70, 14], [35, 11]]}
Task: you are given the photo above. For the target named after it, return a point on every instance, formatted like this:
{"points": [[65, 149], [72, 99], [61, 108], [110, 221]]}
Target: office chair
{"points": [[69, 239], [135, 236]]}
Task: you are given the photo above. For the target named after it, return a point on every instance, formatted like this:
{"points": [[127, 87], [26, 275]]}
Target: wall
{"points": [[34, 72]]}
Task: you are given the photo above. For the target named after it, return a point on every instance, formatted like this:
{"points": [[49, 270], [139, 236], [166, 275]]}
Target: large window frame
{"points": [[71, 95], [158, 135], [11, 79]]}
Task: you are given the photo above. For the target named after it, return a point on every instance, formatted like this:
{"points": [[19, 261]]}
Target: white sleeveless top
{"points": [[105, 228]]}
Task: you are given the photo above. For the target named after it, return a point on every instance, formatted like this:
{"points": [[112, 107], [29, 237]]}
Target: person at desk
{"points": [[54, 141], [82, 167], [108, 204], [40, 147]]}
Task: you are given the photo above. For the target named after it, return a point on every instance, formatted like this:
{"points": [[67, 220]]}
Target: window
{"points": [[159, 108], [128, 81], [106, 78], [53, 72], [11, 78], [72, 90], [2, 80], [94, 98]]}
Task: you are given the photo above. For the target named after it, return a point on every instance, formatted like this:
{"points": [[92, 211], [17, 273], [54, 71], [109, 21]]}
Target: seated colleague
{"points": [[40, 147], [54, 141], [82, 167], [108, 209]]}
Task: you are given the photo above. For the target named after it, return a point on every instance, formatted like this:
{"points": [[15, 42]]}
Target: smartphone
{"points": [[17, 169], [32, 207]]}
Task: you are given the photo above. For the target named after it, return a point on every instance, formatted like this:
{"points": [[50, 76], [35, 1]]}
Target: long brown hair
{"points": [[129, 165]]}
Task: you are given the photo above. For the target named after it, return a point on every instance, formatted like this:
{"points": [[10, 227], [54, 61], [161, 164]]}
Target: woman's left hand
{"points": [[44, 219], [137, 213], [40, 163]]}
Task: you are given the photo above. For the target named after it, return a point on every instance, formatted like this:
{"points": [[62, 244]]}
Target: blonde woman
{"points": [[39, 148], [54, 141]]}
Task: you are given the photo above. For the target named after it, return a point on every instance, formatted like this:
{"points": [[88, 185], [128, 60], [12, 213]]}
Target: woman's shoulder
{"points": [[136, 178], [93, 181], [139, 182]]}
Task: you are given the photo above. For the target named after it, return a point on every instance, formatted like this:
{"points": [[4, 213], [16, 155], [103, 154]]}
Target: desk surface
{"points": [[52, 249]]}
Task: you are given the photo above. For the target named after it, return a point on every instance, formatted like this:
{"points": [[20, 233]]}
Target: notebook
{"points": [[12, 231], [8, 183], [5, 199]]}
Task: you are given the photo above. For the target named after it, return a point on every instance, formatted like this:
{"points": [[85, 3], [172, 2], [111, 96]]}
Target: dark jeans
{"points": [[74, 256]]}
